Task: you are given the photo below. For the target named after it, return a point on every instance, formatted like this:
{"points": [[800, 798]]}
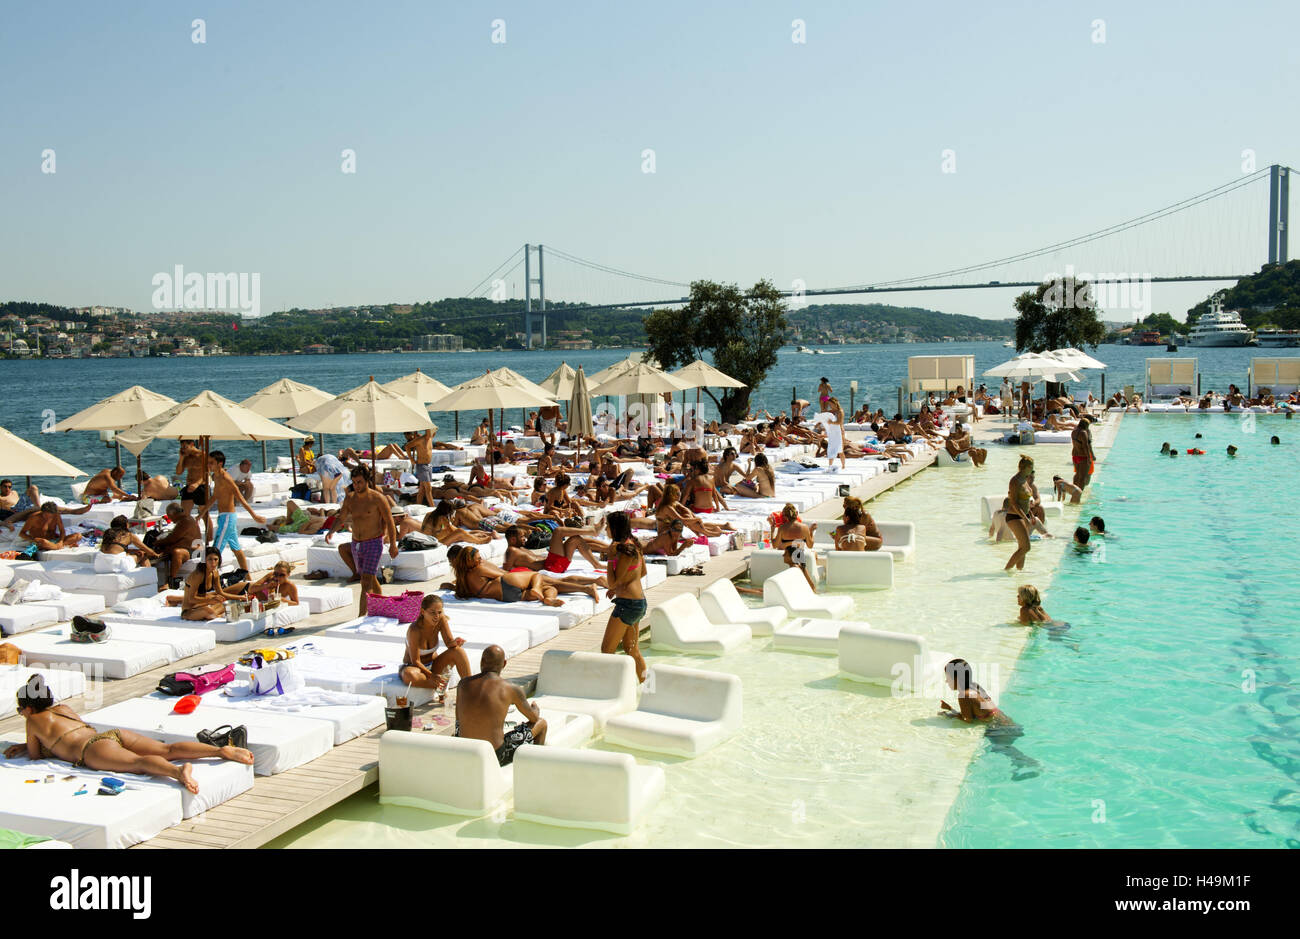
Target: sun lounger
{"points": [[341, 665], [349, 715], [573, 609], [169, 617], [81, 578], [691, 556], [944, 458], [821, 636], [680, 624], [722, 604], [279, 742], [22, 617], [880, 657], [438, 773], [768, 562], [128, 652], [586, 683], [64, 682], [319, 598], [683, 711], [859, 568], [386, 629], [790, 590], [585, 789]]}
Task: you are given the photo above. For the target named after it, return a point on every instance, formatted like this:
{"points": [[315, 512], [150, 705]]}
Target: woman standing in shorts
{"points": [[626, 568]]}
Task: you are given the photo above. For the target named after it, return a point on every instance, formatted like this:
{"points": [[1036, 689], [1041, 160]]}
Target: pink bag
{"points": [[207, 678], [405, 607]]}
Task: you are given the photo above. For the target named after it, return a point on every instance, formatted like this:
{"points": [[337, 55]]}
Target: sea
{"points": [[35, 394]]}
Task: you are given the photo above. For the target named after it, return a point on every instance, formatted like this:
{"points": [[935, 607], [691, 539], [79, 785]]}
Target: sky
{"points": [[821, 161]]}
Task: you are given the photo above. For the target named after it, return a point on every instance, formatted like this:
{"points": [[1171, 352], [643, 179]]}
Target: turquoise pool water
{"points": [[1168, 715]]}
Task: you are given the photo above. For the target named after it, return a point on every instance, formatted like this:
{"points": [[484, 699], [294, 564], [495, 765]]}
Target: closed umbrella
{"points": [[491, 392], [282, 400], [367, 409], [125, 409], [580, 423]]}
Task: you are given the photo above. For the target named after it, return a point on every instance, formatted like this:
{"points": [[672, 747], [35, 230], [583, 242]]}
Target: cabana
{"points": [[1279, 376], [1168, 378], [938, 373]]}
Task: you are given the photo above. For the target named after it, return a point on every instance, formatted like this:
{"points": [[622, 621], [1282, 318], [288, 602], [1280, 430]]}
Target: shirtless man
{"points": [[547, 419], [105, 482], [45, 530], [482, 703], [559, 553], [224, 496], [195, 490], [1081, 453], [419, 448], [8, 498], [959, 442], [177, 546], [55, 730], [158, 488], [372, 524]]}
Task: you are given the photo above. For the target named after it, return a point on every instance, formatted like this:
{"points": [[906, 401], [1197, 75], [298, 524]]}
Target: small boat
{"points": [[1008, 344]]}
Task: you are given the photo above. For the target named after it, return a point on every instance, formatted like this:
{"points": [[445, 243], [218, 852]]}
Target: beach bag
{"points": [[417, 541], [272, 671], [404, 607], [301, 492], [197, 681]]}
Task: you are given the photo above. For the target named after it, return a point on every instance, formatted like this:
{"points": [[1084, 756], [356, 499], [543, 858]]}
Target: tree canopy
{"points": [[741, 332], [1058, 314]]}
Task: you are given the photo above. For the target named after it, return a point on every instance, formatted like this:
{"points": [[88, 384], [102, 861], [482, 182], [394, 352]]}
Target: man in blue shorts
{"points": [[224, 495]]}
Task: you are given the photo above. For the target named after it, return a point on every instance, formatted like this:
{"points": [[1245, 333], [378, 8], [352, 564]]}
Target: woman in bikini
{"points": [[759, 482], [722, 473], [55, 730], [276, 587], [795, 539], [626, 568], [669, 508], [438, 524], [478, 579], [824, 393], [701, 494], [423, 666], [113, 557], [205, 598], [1020, 498], [749, 443], [858, 532]]}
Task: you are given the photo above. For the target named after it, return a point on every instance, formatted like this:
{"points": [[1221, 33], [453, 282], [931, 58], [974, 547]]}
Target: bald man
{"points": [[482, 703]]}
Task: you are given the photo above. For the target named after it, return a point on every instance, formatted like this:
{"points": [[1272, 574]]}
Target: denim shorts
{"points": [[629, 611]]}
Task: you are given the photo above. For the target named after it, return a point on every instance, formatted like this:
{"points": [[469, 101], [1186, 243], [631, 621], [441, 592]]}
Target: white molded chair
{"points": [[768, 562], [586, 683], [680, 624], [722, 604], [455, 775], [790, 590], [898, 538], [821, 636], [859, 569], [879, 657], [584, 789], [989, 505], [683, 711], [566, 730], [943, 458]]}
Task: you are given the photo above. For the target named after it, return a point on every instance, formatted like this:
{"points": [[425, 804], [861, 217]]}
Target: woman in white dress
{"points": [[835, 434]]}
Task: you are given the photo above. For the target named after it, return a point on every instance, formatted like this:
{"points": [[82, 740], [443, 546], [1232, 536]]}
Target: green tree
{"points": [[1163, 322], [1057, 314], [742, 332]]}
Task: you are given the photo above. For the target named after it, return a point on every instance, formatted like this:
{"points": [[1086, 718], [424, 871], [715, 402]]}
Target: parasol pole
{"points": [[293, 460], [264, 455], [118, 447]]}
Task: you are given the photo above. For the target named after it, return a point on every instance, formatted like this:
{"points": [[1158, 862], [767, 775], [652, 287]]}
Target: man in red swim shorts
{"points": [[565, 541], [1081, 453]]}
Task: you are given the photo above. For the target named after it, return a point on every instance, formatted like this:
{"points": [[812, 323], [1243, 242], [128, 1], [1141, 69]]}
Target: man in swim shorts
{"points": [[224, 495], [483, 701], [372, 523], [547, 419], [419, 447], [195, 490], [1081, 453]]}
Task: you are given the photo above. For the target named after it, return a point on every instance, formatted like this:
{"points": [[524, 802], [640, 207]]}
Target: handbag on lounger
{"points": [[198, 681], [273, 674], [404, 607]]}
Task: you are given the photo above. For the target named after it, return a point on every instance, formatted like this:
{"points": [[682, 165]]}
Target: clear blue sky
{"points": [[819, 161]]}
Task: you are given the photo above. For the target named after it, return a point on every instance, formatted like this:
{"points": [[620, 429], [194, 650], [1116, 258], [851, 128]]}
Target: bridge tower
{"points": [[1279, 201], [540, 281]]}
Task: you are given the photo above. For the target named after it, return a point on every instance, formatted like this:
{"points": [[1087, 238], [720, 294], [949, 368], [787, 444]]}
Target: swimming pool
{"points": [[1168, 715], [820, 761]]}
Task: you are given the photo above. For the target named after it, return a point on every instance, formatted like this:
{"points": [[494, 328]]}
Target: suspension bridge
{"points": [[1231, 213]]}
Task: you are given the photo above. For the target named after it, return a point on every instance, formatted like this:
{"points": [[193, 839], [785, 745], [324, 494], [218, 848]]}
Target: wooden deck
{"points": [[277, 804]]}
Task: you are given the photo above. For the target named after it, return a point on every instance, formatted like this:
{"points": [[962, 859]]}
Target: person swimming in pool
{"points": [[1097, 527], [975, 705], [1032, 612], [1081, 536]]}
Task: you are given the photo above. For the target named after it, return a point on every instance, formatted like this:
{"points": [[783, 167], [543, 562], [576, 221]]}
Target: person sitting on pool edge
{"points": [[56, 731], [482, 702]]}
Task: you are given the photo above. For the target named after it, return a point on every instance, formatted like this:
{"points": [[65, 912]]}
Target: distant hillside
{"points": [[878, 322], [1269, 298]]}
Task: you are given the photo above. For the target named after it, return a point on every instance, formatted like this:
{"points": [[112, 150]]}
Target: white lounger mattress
{"points": [[116, 658], [63, 683], [385, 629], [339, 665], [279, 742], [351, 716], [319, 598]]}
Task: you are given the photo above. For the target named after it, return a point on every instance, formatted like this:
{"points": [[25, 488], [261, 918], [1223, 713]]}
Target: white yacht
{"points": [[1219, 327], [1273, 337]]}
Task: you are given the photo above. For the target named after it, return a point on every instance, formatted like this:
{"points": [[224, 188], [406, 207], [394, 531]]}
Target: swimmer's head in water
{"points": [[1164, 447], [1097, 525], [1081, 535], [1274, 441], [1198, 436], [1173, 453], [1028, 595], [957, 672], [1232, 451]]}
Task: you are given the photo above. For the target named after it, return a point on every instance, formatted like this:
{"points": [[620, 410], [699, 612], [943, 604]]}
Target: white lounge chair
{"points": [[859, 569], [879, 657], [898, 538], [722, 604], [768, 562], [681, 625], [586, 683], [584, 789], [683, 711], [943, 458], [455, 775], [821, 636], [790, 590]]}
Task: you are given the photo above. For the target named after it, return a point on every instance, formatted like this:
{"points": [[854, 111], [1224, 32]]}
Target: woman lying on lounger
{"points": [[205, 598], [477, 578], [55, 730], [299, 520], [670, 508]]}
